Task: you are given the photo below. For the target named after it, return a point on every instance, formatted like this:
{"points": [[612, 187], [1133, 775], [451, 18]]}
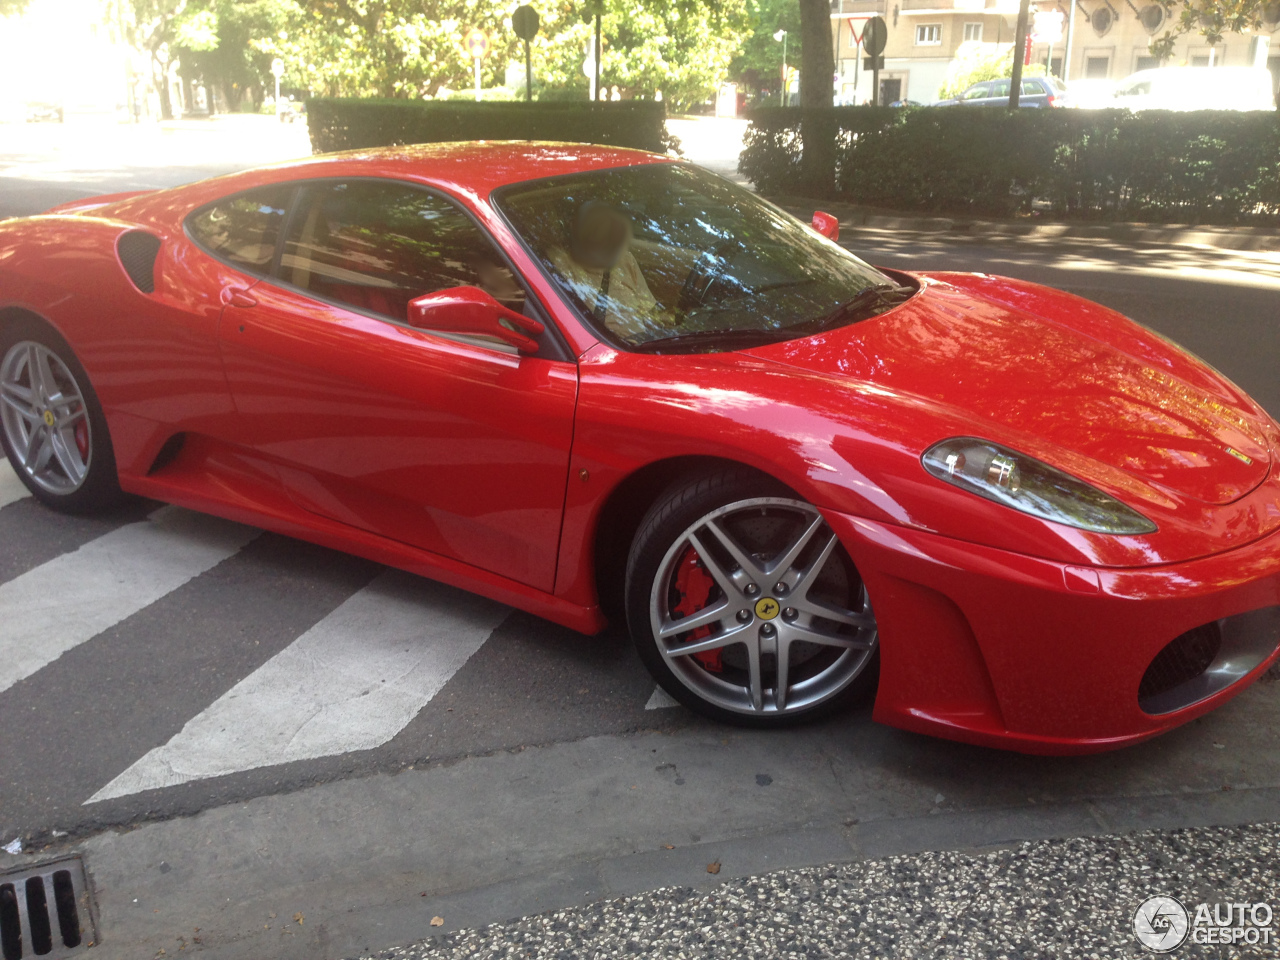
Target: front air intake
{"points": [[1207, 659], [138, 250]]}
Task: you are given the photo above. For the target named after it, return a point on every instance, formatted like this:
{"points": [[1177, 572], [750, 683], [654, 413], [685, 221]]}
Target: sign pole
{"points": [[597, 58], [528, 74], [525, 23]]}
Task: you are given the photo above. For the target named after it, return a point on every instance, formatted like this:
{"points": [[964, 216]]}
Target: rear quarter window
{"points": [[243, 229]]}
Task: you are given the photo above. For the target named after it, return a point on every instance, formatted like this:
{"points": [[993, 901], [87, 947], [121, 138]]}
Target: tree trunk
{"points": [[160, 77], [817, 126], [817, 60]]}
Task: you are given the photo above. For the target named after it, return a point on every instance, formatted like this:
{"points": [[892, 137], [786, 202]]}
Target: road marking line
{"points": [[351, 682], [661, 700], [11, 488], [60, 604]]}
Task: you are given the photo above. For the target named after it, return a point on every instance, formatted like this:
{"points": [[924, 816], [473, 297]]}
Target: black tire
{"points": [[100, 488], [662, 533]]}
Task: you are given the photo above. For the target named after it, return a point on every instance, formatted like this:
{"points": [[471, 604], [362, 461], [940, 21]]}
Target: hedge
{"points": [[1209, 166], [351, 124]]}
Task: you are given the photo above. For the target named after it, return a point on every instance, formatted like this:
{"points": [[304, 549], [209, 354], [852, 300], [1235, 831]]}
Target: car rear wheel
{"points": [[744, 605], [51, 423]]}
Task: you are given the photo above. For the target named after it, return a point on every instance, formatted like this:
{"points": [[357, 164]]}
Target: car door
{"points": [[458, 446]]}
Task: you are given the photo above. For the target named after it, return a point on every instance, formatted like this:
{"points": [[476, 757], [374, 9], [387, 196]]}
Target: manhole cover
{"points": [[45, 911]]}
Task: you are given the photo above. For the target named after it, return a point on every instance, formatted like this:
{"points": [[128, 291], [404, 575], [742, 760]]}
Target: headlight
{"points": [[1016, 480]]}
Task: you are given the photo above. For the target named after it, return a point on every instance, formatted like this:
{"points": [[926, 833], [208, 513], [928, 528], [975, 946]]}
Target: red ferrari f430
{"points": [[601, 385]]}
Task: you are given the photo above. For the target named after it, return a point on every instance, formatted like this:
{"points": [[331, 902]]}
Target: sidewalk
{"points": [[1252, 239], [1063, 899]]}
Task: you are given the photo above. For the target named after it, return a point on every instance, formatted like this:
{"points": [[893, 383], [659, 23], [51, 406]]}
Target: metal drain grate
{"points": [[45, 911]]}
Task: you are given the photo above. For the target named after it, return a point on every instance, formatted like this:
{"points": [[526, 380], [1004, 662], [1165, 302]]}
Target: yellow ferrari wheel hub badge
{"points": [[48, 418], [766, 608]]}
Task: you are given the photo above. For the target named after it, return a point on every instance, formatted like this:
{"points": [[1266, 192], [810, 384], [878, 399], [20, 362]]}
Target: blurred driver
{"points": [[603, 271]]}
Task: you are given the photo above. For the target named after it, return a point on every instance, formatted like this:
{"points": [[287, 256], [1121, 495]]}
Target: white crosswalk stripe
{"points": [[61, 604], [351, 682], [661, 700], [11, 488]]}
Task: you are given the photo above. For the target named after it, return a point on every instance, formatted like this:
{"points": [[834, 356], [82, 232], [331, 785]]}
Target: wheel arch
{"points": [[623, 510]]}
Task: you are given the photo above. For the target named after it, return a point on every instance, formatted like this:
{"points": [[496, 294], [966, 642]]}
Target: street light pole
{"points": [[782, 35]]}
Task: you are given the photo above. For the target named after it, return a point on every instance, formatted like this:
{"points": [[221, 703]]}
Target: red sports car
{"points": [[596, 383]]}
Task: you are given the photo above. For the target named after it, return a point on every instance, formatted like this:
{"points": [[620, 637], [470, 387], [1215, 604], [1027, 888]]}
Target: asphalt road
{"points": [[201, 708]]}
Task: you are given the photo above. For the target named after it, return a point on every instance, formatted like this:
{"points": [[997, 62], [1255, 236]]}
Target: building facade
{"points": [[1102, 39]]}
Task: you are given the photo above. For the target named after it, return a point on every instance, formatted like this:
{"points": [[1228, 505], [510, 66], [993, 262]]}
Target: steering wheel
{"points": [[702, 276]]}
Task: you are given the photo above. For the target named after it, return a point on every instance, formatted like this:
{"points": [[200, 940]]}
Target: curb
{"points": [[1220, 238]]}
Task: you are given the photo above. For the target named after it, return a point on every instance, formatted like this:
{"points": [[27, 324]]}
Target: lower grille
{"points": [[45, 911], [1185, 658], [1206, 660]]}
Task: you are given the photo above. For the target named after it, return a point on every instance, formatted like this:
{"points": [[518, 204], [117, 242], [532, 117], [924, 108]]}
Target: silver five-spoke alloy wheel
{"points": [[757, 609], [45, 418]]}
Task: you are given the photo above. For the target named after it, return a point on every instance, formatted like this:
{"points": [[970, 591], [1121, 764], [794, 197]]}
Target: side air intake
{"points": [[138, 250]]}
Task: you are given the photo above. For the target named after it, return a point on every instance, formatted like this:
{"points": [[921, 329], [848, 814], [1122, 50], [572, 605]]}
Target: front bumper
{"points": [[1005, 650]]}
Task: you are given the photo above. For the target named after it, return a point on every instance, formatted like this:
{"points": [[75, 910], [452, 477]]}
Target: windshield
{"points": [[668, 258]]}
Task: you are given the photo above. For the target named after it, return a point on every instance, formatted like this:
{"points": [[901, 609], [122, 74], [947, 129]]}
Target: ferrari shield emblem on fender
{"points": [[1247, 461]]}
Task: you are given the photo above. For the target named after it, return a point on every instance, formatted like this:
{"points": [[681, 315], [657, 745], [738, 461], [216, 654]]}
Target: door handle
{"points": [[237, 297]]}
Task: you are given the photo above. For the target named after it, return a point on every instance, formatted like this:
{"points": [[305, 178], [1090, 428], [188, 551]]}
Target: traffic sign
{"points": [[525, 22], [873, 63], [476, 43], [874, 36]]}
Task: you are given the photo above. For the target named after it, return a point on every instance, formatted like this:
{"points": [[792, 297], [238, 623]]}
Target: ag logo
{"points": [[766, 608], [1161, 924]]}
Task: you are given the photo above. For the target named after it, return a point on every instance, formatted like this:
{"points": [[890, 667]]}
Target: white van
{"points": [[1198, 88]]}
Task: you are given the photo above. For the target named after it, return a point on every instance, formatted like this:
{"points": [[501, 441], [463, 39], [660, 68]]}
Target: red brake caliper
{"points": [[694, 586], [82, 438]]}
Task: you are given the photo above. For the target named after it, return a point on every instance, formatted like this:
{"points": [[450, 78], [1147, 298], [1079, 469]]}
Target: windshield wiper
{"points": [[738, 339], [872, 298]]}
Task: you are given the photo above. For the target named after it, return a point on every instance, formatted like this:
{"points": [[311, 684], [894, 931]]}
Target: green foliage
{"points": [[11, 8], [1213, 19], [412, 48], [759, 62], [348, 124], [976, 62], [1198, 167]]}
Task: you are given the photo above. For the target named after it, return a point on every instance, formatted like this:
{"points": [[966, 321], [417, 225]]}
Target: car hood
{"points": [[1055, 376]]}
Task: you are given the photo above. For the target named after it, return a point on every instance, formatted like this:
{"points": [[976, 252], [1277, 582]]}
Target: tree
{"points": [[216, 48], [11, 8], [411, 48], [759, 62], [1212, 18], [817, 64], [151, 27]]}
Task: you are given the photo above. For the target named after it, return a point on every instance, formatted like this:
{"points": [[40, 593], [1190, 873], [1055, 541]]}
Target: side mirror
{"points": [[471, 311], [826, 224]]}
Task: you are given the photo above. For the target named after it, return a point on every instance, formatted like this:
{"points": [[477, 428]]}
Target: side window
{"points": [[243, 229], [999, 89], [977, 92], [378, 245], [1032, 88]]}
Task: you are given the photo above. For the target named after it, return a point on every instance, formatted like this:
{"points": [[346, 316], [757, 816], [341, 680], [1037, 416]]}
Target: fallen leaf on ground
{"points": [[297, 918], [668, 846], [437, 921], [713, 867]]}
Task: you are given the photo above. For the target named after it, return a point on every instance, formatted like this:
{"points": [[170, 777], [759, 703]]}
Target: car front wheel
{"points": [[744, 605]]}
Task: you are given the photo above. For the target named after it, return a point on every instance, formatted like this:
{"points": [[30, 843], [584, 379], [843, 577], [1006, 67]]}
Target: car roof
{"points": [[474, 167]]}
